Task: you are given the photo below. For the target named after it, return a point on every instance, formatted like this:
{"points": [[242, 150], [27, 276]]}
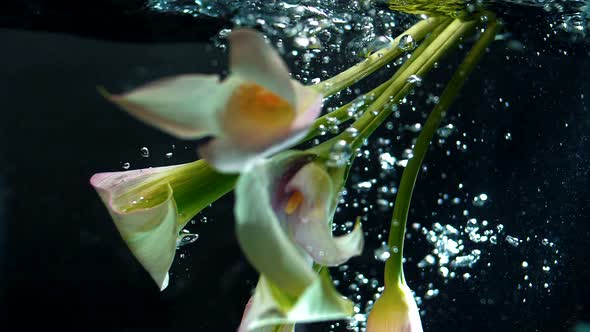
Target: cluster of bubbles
{"points": [[570, 16], [308, 33]]}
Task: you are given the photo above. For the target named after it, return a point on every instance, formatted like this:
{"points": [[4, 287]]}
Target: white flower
{"points": [[258, 110]]}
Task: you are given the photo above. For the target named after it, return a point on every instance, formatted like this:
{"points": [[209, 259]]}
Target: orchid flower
{"points": [[151, 206], [258, 110], [395, 311], [284, 207]]}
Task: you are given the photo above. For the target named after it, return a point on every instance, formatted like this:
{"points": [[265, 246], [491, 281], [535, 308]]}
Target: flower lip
{"points": [[282, 194]]}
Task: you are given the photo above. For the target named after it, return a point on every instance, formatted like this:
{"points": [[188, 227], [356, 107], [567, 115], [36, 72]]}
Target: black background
{"points": [[56, 131]]}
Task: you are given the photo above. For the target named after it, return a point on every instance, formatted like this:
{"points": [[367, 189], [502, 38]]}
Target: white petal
{"points": [[270, 307], [260, 235], [150, 233], [228, 157], [252, 59], [311, 226], [184, 106], [308, 105]]}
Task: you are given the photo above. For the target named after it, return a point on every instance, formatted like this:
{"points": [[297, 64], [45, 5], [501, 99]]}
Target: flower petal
{"points": [[319, 302], [395, 311], [309, 105], [150, 233], [253, 59], [259, 232], [255, 117], [248, 316], [227, 157], [245, 143], [184, 106], [311, 226]]}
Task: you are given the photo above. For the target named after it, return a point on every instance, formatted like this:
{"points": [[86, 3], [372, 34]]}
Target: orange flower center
{"points": [[254, 113], [294, 202]]}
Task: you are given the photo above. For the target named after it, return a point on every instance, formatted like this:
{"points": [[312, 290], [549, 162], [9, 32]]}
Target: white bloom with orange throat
{"points": [[284, 210], [258, 110]]}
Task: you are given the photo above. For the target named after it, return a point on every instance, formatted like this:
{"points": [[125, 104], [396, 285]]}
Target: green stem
{"points": [[389, 89], [393, 266], [341, 114], [432, 52], [376, 60]]}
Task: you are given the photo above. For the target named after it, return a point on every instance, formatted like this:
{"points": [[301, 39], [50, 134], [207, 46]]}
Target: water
{"points": [[498, 221]]}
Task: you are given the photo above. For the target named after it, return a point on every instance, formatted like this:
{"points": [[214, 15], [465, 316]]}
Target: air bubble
{"points": [[382, 253], [145, 152], [406, 43], [186, 238], [340, 154], [414, 79], [513, 241]]}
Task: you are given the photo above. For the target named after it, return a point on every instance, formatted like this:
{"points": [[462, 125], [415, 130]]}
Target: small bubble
{"points": [[379, 43], [145, 152], [513, 241], [383, 252], [301, 42], [387, 161], [352, 132], [414, 79], [126, 165], [480, 200], [431, 293], [445, 131], [406, 43], [186, 238], [364, 185], [340, 154]]}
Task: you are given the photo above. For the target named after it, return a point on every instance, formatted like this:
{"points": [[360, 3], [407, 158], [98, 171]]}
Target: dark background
{"points": [[56, 131]]}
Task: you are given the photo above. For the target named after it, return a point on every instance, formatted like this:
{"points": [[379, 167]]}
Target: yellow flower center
{"points": [[294, 202], [254, 113]]}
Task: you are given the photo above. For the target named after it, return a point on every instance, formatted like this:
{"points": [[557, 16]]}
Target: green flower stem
{"points": [[194, 186], [375, 60], [341, 114], [391, 86], [423, 62], [393, 266]]}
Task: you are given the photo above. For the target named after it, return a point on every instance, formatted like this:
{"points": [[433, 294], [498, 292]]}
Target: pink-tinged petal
{"points": [[252, 132], [185, 106], [395, 311], [255, 117], [227, 157], [254, 60], [309, 106], [150, 233], [310, 223]]}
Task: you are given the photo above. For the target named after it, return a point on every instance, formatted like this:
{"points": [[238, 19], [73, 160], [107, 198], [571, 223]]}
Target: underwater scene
{"points": [[296, 165]]}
